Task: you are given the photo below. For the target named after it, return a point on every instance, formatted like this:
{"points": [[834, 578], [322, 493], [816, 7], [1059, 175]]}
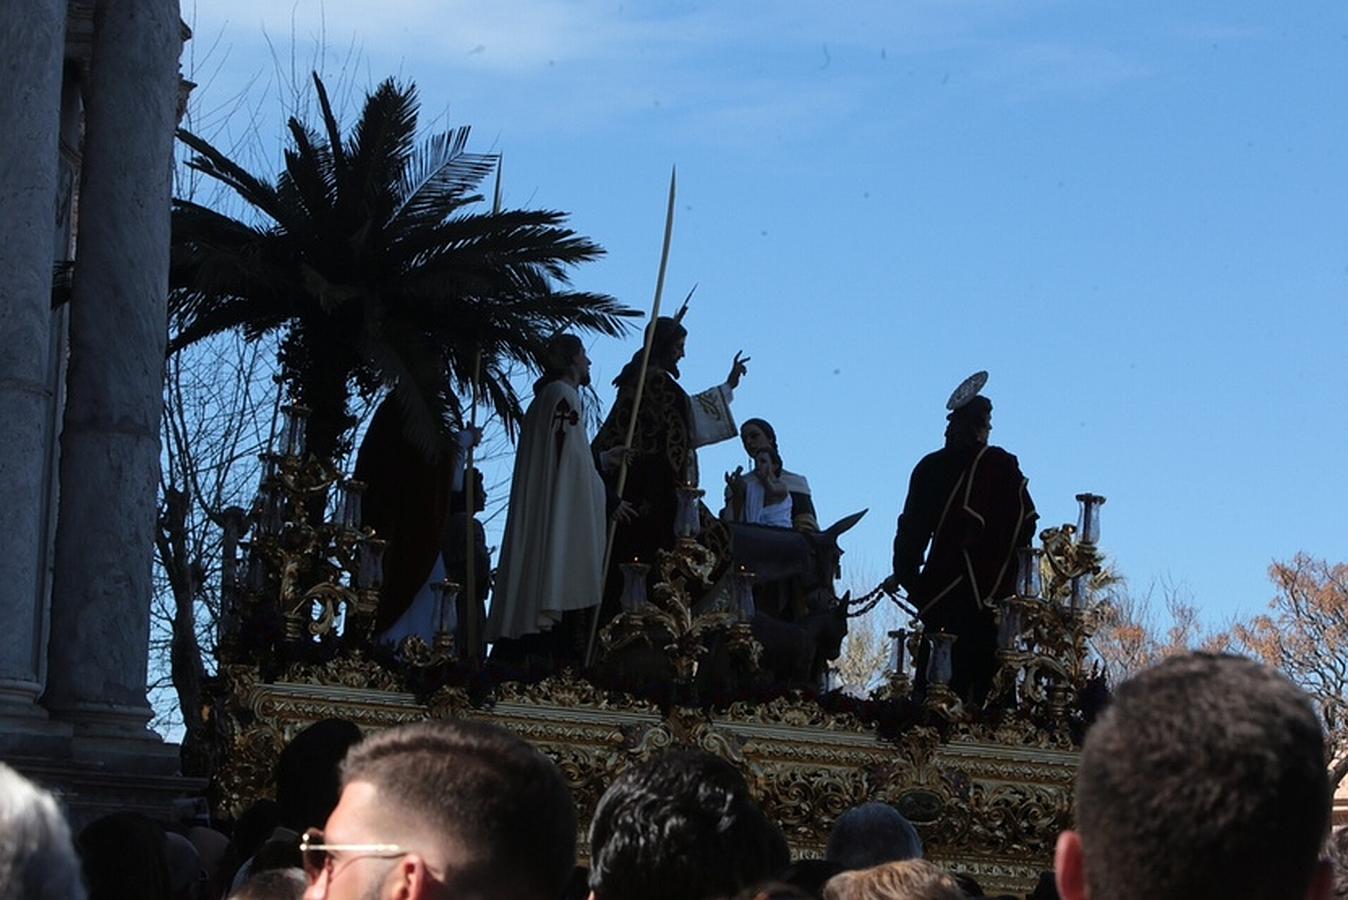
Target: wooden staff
{"points": [[636, 408], [469, 482]]}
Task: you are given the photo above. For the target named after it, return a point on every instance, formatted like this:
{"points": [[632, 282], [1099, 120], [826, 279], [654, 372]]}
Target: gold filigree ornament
{"points": [[354, 671], [667, 623]]}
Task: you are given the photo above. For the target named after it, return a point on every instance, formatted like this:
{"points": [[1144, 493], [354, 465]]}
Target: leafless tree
{"points": [[219, 404]]}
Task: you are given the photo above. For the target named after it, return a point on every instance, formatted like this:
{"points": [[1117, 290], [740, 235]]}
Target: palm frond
{"points": [[214, 314], [380, 147], [194, 226], [414, 369], [501, 396], [510, 237], [439, 178], [334, 131], [307, 181], [211, 162]]}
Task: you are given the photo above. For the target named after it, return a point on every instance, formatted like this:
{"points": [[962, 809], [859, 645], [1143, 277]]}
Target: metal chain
{"points": [[870, 600]]}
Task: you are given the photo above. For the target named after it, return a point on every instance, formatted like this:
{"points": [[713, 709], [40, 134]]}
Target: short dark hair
{"points": [[872, 834], [681, 826], [485, 789], [1205, 778]]}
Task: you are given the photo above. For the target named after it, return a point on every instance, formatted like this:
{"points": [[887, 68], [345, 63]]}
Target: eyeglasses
{"points": [[317, 856]]}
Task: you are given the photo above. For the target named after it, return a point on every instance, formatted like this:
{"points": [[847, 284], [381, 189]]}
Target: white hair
{"points": [[37, 859]]}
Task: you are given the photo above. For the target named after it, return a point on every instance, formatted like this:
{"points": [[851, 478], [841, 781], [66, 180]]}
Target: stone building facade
{"points": [[86, 143]]}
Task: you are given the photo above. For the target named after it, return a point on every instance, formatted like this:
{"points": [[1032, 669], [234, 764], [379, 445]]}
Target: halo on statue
{"points": [[967, 390]]}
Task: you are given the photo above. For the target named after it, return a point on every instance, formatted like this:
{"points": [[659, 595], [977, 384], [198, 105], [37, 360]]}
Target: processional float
{"points": [[989, 788]]}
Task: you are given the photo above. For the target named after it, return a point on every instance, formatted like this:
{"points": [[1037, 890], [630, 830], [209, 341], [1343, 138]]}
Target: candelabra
{"points": [[664, 619], [1043, 628], [305, 578]]}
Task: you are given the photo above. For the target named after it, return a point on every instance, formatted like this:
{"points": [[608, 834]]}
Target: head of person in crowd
{"points": [[212, 847], [909, 879], [275, 884], [124, 856], [871, 834], [187, 875], [681, 826], [251, 829], [1204, 779], [445, 809], [307, 772], [810, 875], [1336, 851], [37, 858]]}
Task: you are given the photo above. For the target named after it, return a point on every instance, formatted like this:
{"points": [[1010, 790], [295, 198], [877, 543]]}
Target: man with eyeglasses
{"points": [[444, 809]]}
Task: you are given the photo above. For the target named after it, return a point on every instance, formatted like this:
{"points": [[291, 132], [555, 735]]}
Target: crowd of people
{"points": [[1205, 778]]}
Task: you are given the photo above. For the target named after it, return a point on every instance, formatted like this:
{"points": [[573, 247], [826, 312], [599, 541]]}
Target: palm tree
{"points": [[365, 254]]}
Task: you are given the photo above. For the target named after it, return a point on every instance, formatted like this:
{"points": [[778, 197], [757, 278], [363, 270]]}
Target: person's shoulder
{"points": [[999, 454], [558, 389], [795, 482], [999, 458], [934, 458]]}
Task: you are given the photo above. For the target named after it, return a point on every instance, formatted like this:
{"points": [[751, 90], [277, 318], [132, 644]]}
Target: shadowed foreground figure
{"points": [[1204, 780], [681, 826], [123, 856]]}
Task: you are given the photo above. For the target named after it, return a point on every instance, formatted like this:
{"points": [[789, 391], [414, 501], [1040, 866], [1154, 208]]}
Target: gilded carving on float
{"points": [[982, 802]]}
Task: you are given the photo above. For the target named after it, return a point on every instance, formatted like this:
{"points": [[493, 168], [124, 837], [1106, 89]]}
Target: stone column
{"points": [[101, 589], [31, 53]]}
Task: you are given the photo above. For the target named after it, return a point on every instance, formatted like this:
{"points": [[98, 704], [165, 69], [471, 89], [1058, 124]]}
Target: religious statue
{"points": [[971, 503], [769, 494], [553, 549], [422, 615], [406, 501], [670, 427]]}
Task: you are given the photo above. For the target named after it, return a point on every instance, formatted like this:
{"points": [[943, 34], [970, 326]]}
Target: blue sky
{"points": [[1134, 215]]}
